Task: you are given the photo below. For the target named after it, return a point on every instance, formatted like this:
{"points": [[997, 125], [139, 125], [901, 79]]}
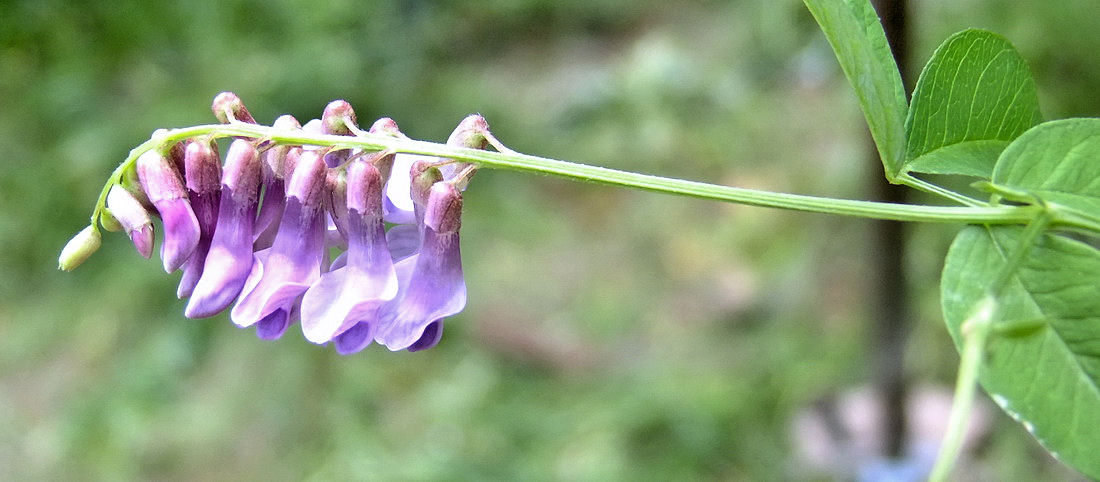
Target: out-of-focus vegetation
{"points": [[610, 334]]}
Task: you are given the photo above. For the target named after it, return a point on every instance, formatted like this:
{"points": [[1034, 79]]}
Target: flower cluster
{"points": [[256, 233]]}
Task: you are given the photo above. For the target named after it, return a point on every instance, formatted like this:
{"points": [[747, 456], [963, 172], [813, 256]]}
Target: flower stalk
{"points": [[582, 172]]}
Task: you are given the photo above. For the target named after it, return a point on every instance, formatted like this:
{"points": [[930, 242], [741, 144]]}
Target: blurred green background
{"points": [[610, 334]]}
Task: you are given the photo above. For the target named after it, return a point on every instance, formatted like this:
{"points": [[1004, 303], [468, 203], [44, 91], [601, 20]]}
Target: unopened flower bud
{"points": [[78, 249], [388, 127], [470, 133], [228, 107], [338, 118], [133, 217], [108, 221]]}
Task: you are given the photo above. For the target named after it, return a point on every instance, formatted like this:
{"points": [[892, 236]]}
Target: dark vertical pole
{"points": [[889, 293]]}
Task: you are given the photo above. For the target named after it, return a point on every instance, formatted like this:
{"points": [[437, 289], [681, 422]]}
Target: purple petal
{"points": [[162, 183], [206, 211], [432, 334], [403, 241], [355, 339], [294, 260], [272, 326], [278, 161], [133, 217], [143, 240], [202, 175], [181, 232], [271, 212], [229, 260]]}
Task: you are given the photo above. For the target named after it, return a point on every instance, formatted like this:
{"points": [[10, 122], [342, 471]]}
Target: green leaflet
{"points": [[1057, 162], [974, 96], [854, 31], [1047, 378]]}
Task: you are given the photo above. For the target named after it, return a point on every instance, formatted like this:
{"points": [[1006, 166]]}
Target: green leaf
{"points": [[1048, 379], [853, 29], [974, 96], [1059, 163]]}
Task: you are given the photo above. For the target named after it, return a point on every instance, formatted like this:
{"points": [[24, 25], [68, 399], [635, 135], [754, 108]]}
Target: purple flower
{"points": [[435, 288], [133, 217], [229, 259], [350, 295], [285, 271], [277, 161], [202, 174], [161, 182]]}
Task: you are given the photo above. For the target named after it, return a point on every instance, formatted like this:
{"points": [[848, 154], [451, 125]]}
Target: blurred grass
{"points": [[610, 334]]}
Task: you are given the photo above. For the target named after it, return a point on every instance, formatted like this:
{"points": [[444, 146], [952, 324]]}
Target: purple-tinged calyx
{"points": [[436, 288], [229, 259], [202, 175], [285, 271], [161, 182], [228, 107], [133, 217], [338, 119], [275, 167], [349, 296]]}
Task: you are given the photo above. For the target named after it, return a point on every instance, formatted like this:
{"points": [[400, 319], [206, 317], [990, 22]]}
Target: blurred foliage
{"points": [[610, 334]]}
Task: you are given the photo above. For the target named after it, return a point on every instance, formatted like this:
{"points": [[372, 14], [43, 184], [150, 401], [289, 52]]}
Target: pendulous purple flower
{"points": [[202, 175], [161, 182], [229, 260], [277, 162], [435, 288], [350, 295], [284, 272], [133, 217]]}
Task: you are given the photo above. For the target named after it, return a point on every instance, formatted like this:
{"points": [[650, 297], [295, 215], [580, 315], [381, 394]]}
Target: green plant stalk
{"points": [[976, 330], [527, 163]]}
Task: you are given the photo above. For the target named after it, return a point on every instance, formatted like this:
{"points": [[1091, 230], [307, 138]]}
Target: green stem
{"points": [[527, 163], [928, 187], [976, 330]]}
